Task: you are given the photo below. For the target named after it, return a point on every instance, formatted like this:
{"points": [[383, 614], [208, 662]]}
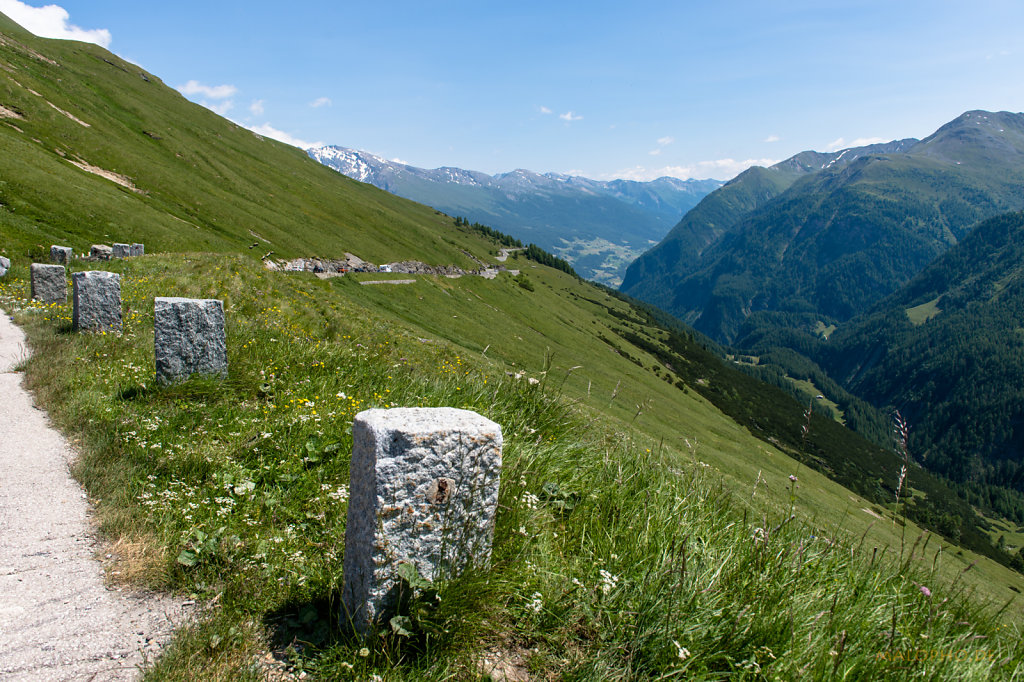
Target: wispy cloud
{"points": [[772, 138], [256, 108], [320, 102], [270, 131], [52, 21], [569, 116], [545, 110], [220, 108], [211, 91], [719, 169], [840, 143], [662, 142]]}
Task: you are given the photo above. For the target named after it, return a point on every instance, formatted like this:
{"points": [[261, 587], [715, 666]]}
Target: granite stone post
{"points": [[61, 254], [121, 250], [5, 265], [189, 338], [100, 252], [137, 250], [49, 283], [424, 491], [97, 301]]}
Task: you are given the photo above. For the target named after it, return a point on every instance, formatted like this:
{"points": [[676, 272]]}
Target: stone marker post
{"points": [[121, 251], [137, 250], [96, 300], [49, 283], [5, 265], [189, 338], [61, 254], [100, 252], [424, 491]]}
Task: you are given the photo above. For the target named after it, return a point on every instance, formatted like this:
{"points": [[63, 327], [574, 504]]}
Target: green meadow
{"points": [[641, 534]]}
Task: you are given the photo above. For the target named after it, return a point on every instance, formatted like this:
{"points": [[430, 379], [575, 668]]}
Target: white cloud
{"points": [[655, 152], [211, 91], [664, 141], [320, 102], [398, 160], [545, 110], [256, 107], [840, 143], [772, 138], [220, 108], [569, 116], [267, 130], [51, 21], [719, 169]]}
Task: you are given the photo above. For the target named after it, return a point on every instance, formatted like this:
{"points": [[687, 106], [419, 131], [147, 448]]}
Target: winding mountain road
{"points": [[57, 619]]}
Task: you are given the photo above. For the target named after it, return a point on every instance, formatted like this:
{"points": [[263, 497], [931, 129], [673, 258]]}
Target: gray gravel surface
{"points": [[57, 619]]}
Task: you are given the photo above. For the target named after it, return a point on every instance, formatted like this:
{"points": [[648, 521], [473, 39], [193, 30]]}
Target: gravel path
{"points": [[57, 620]]}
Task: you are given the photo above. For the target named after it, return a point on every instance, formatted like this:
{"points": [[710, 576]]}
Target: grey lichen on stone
{"points": [[121, 251], [137, 250], [100, 252], [49, 283], [189, 338], [424, 490], [96, 300], [61, 254], [5, 265]]}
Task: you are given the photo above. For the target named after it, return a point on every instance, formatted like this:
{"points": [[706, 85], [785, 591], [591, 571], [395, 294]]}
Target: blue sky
{"points": [[603, 89]]}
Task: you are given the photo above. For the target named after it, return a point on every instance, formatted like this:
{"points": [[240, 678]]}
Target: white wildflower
{"points": [[537, 602], [608, 581]]}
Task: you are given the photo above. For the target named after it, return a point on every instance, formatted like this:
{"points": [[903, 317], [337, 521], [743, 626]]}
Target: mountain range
{"points": [[598, 226], [889, 274], [823, 237]]}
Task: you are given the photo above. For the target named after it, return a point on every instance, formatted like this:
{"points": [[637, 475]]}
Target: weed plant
{"points": [[614, 559]]}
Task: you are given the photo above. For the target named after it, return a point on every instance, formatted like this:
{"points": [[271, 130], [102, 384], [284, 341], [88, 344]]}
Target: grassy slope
{"points": [[273, 562], [202, 181]]}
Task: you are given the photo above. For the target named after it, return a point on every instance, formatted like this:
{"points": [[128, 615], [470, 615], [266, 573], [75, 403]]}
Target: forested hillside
{"points": [[948, 351], [844, 236]]}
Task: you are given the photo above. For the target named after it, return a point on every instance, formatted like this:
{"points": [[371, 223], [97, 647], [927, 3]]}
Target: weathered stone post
{"points": [[189, 338], [49, 283], [121, 250], [424, 491], [137, 250], [100, 252], [5, 265], [61, 254], [96, 300]]}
